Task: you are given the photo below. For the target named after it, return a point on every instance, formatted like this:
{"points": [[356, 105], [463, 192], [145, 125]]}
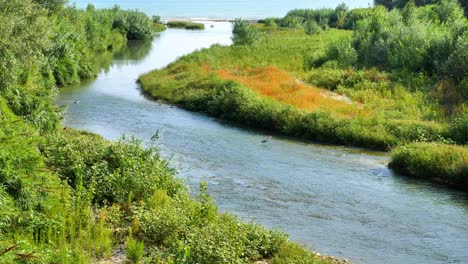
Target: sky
{"points": [[218, 8]]}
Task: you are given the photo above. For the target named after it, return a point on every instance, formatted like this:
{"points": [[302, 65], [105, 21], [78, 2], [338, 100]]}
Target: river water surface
{"points": [[338, 201]]}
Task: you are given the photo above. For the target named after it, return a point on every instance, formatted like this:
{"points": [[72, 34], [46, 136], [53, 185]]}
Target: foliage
{"points": [[390, 4], [186, 25], [343, 52], [455, 65], [340, 17], [136, 25], [292, 253], [458, 128], [25, 31], [108, 167], [446, 163], [415, 39], [312, 27], [134, 249], [244, 33], [52, 5]]}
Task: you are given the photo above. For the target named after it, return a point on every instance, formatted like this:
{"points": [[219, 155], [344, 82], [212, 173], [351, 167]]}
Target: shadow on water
{"points": [[135, 50]]}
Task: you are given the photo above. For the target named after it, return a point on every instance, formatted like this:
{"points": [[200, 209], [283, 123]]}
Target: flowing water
{"points": [[336, 200], [219, 9]]}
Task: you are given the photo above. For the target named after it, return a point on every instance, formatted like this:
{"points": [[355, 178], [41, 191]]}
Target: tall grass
{"points": [[445, 163], [281, 86], [185, 25]]}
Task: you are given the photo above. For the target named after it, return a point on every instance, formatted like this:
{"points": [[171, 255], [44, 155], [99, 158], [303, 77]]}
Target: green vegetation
{"points": [[244, 33], [399, 77], [185, 25], [340, 17], [390, 4], [445, 163], [72, 197], [88, 196], [134, 249]]}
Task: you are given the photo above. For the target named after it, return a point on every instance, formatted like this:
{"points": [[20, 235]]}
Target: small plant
{"points": [[134, 249], [312, 27], [270, 22]]}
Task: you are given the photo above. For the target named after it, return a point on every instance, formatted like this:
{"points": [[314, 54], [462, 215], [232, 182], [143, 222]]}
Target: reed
{"points": [[185, 25]]}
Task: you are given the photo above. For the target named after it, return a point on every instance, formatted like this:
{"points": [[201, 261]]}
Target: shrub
{"points": [[457, 129], [244, 33], [447, 163], [456, 65], [134, 249], [114, 169], [414, 39], [312, 27], [52, 5], [270, 22], [136, 25], [343, 52], [328, 78]]}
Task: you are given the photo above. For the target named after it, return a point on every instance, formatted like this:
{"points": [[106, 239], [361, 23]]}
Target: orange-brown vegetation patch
{"points": [[281, 86]]}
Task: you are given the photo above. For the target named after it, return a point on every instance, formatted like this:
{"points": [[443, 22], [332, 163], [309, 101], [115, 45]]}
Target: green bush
{"points": [[244, 33], [447, 163], [271, 22], [136, 25], [414, 39], [134, 250], [112, 170], [326, 78], [343, 52], [457, 129], [456, 65], [312, 27]]}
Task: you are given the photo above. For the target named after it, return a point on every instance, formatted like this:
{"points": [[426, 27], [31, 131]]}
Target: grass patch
{"points": [[158, 27], [281, 86], [185, 25], [442, 162]]}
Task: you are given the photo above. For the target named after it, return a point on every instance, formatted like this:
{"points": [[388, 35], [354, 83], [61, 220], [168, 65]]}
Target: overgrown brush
{"points": [[442, 162]]}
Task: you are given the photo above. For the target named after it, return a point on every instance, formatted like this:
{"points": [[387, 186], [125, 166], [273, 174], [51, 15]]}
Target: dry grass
{"points": [[281, 86]]}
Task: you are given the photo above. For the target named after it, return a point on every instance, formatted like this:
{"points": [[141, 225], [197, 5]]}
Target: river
{"points": [[338, 201]]}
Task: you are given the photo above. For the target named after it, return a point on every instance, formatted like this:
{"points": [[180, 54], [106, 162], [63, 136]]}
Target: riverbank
{"points": [[69, 196], [229, 82], [447, 164], [311, 86]]}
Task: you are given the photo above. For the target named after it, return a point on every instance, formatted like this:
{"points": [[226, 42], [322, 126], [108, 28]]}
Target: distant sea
{"points": [[219, 9]]}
